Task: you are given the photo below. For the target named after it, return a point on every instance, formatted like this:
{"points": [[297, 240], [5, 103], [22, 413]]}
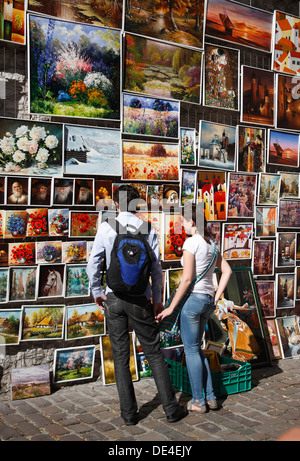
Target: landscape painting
{"points": [[77, 282], [285, 46], [10, 326], [179, 22], [283, 148], [287, 103], [108, 368], [22, 281], [29, 382], [289, 185], [216, 146], [4, 284], [43, 322], [92, 149], [188, 186], [73, 363], [74, 69], [84, 320], [289, 214], [268, 188], [162, 70], [251, 149], [237, 241], [241, 24]]}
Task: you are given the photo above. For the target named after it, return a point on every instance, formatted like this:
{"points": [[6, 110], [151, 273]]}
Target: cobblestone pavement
{"points": [[90, 412]]}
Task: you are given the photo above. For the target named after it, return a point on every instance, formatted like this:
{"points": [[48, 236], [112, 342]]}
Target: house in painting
{"points": [[76, 148], [3, 323], [286, 54]]}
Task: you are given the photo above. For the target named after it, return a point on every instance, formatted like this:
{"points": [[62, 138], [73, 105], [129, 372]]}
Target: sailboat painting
{"points": [[233, 22], [283, 148]]}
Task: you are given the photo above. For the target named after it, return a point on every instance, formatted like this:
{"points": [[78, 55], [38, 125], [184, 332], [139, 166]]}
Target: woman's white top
{"points": [[203, 252]]}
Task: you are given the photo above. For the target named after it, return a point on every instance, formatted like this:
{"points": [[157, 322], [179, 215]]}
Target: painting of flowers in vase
{"points": [[37, 222], [174, 237], [21, 253], [15, 224], [58, 220], [83, 224]]}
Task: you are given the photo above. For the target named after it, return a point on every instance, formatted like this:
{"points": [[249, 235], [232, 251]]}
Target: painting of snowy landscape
{"points": [[92, 150]]}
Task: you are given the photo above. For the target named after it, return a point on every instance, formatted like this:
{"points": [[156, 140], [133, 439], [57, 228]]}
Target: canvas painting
{"points": [[103, 194], [51, 280], [74, 252], [4, 284], [174, 277], [287, 102], [216, 146], [212, 192], [221, 86], [266, 221], [241, 195], [148, 116], [150, 161], [41, 191], [90, 149], [263, 257], [286, 249], [272, 332], [162, 70], [42, 322], [77, 282], [83, 224], [21, 253], [188, 186], [74, 69], [251, 149], [15, 224], [58, 222], [173, 237], [283, 148], [48, 252], [187, 146], [13, 21], [289, 214], [297, 283], [23, 283], [285, 46], [10, 324], [84, 194], [17, 191], [170, 196], [154, 197], [289, 185], [73, 363], [215, 232], [143, 366], [2, 189], [29, 382], [3, 254], [240, 24], [29, 147], [237, 241], [179, 22], [106, 13], [288, 335], [84, 320], [156, 222], [108, 368], [268, 188], [63, 191], [37, 222], [257, 96], [266, 295], [285, 294]]}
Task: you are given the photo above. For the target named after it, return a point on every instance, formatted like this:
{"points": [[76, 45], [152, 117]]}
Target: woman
{"points": [[197, 253]]}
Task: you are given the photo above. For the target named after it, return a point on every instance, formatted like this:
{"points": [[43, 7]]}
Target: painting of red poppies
{"points": [[83, 224], [174, 237], [21, 253], [37, 222]]}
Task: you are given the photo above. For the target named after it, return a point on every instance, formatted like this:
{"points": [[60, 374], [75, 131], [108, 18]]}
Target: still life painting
{"points": [[48, 252], [58, 221], [15, 224], [83, 224], [37, 222], [21, 253]]}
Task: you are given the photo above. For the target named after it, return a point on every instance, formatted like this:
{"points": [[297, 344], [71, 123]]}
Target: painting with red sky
{"points": [[238, 23]]}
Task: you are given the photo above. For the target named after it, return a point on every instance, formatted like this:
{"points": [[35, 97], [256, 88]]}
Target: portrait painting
{"points": [[285, 45], [212, 192], [237, 241], [268, 188], [108, 368], [283, 148], [285, 293], [63, 191], [216, 146], [265, 221], [288, 329], [266, 296], [10, 326], [4, 284], [286, 249], [263, 257], [241, 195], [49, 252], [17, 191], [22, 282], [289, 185], [84, 194], [32, 381], [73, 364], [287, 114], [251, 149], [13, 20], [42, 322], [21, 253], [51, 280], [14, 224], [77, 282], [289, 214], [40, 191], [84, 321], [188, 146]]}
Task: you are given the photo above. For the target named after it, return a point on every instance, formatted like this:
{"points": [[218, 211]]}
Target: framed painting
{"points": [[188, 186], [170, 196], [216, 146], [241, 195], [48, 252], [103, 194], [22, 283], [285, 292], [215, 232], [180, 23], [13, 21], [266, 296], [51, 280], [108, 368], [83, 79], [3, 189], [174, 277], [148, 116], [77, 282], [212, 192], [143, 366], [150, 161], [40, 191], [84, 192], [15, 224], [73, 364], [10, 326], [268, 188], [188, 146], [240, 305], [3, 254], [17, 191], [265, 221], [251, 149], [289, 185], [237, 241], [21, 253], [88, 149], [27, 382], [287, 102], [173, 237], [43, 322], [155, 217], [286, 249], [83, 224], [288, 329], [4, 284], [37, 222], [289, 214], [283, 148], [263, 257], [74, 252], [285, 45], [272, 331], [63, 191], [106, 13], [84, 321], [240, 24], [155, 197], [58, 222], [161, 69], [257, 96], [221, 83], [297, 283]]}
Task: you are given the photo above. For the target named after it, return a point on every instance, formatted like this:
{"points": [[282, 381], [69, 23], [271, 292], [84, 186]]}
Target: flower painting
{"points": [[37, 222], [74, 252], [21, 253], [58, 221], [83, 224], [15, 224], [174, 237], [150, 161], [74, 69], [28, 147], [48, 252], [74, 363]]}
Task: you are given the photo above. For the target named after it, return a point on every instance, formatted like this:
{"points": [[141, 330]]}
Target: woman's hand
{"points": [[164, 313]]}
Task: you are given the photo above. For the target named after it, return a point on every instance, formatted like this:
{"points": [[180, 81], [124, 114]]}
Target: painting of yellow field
{"points": [[150, 161]]}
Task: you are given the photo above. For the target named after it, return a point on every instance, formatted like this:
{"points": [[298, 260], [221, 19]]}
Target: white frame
{"points": [[43, 306], [85, 307], [12, 244], [48, 242], [7, 283], [9, 182], [52, 212], [260, 281], [286, 196], [254, 194], [257, 235], [86, 212], [165, 233], [32, 210], [50, 267], [92, 192], [68, 243], [56, 353], [281, 319], [237, 144], [10, 312], [294, 92], [274, 42], [66, 279], [54, 186], [168, 271], [239, 257], [290, 276], [288, 133], [193, 130], [45, 178], [288, 225], [268, 202], [202, 172], [189, 172], [258, 242], [293, 264], [18, 268], [209, 164]]}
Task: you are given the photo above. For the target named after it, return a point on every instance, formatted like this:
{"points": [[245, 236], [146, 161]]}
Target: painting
{"points": [[106, 13], [173, 237], [156, 222], [241, 195], [257, 96], [13, 21], [3, 254], [58, 222], [287, 102], [212, 192], [4, 284], [88, 149], [221, 83], [237, 241], [74, 69], [272, 331], [21, 253], [22, 282], [27, 382], [77, 282], [240, 24], [289, 214], [266, 295], [148, 116], [42, 322], [15, 224], [286, 249], [2, 189], [108, 368], [162, 70], [285, 46], [216, 146], [179, 22], [51, 280], [174, 277], [17, 191], [37, 222], [40, 191], [251, 149], [268, 188], [30, 148], [10, 325], [263, 257], [297, 283], [188, 186], [289, 185], [187, 146], [237, 320], [215, 232], [283, 148], [63, 191], [73, 364], [285, 293], [103, 194], [266, 221], [288, 329], [83, 224], [84, 321], [49, 252], [74, 252], [150, 161], [84, 194]]}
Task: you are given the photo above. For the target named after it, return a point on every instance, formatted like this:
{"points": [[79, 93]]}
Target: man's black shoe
{"points": [[179, 413], [131, 420]]}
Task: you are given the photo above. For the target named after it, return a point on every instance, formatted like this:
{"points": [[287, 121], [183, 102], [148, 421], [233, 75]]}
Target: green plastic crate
{"points": [[230, 382]]}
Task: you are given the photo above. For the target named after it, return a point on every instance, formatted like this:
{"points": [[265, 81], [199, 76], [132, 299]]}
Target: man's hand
{"points": [[99, 302]]}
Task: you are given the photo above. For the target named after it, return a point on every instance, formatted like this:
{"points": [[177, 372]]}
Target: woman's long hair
{"points": [[196, 213]]}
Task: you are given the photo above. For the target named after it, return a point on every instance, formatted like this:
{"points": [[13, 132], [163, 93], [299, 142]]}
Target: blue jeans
{"points": [[194, 317], [140, 313]]}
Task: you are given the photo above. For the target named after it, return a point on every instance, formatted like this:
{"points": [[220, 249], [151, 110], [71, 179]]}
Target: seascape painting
{"points": [[74, 69], [283, 148]]}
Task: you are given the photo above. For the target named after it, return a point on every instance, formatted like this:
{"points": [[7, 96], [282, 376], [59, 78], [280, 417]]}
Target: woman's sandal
{"points": [[197, 407], [213, 404]]}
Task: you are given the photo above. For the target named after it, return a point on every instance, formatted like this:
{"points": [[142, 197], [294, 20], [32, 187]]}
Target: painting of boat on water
{"points": [[283, 148]]}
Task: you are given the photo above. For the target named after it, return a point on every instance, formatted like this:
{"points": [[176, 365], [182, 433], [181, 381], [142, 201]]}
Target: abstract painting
{"points": [[13, 21]]}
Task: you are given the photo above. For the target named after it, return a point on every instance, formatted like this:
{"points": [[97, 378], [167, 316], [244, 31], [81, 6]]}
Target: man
{"points": [[18, 196], [85, 197], [41, 195], [64, 192], [138, 309]]}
